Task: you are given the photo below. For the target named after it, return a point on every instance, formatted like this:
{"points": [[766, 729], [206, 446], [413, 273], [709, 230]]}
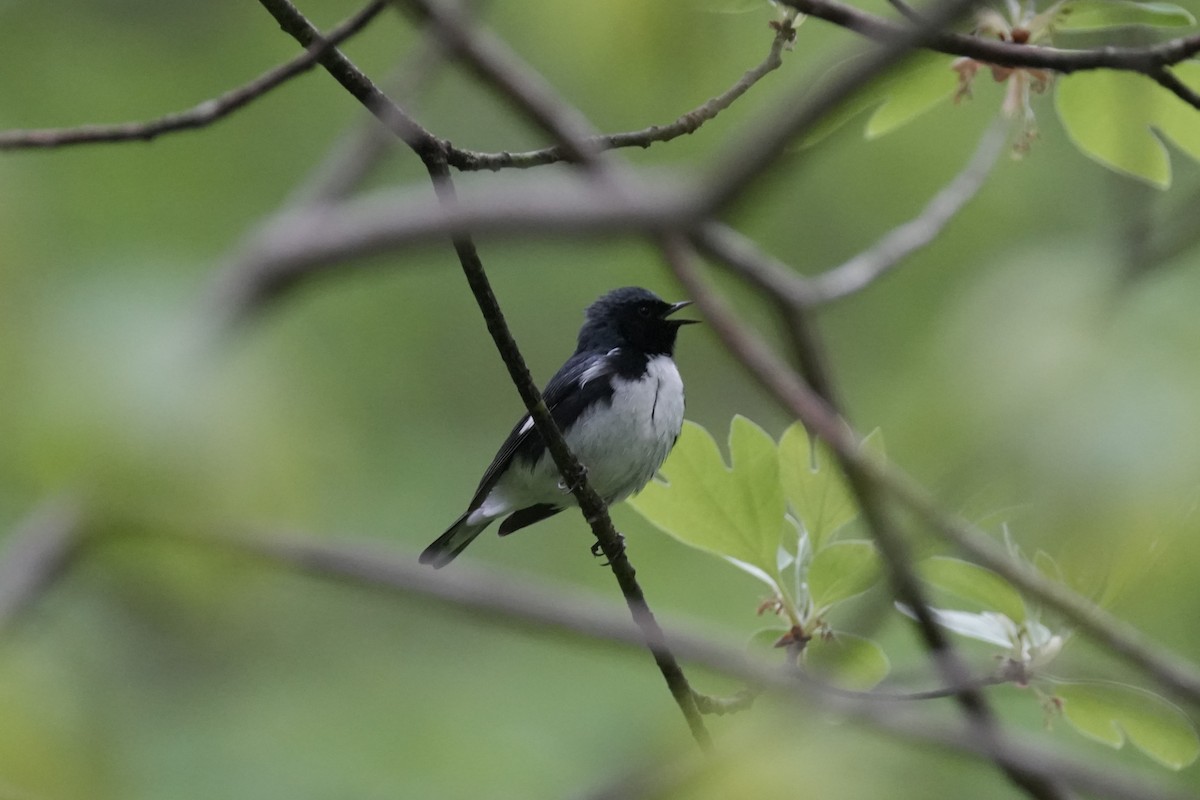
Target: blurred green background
{"points": [[1016, 367]]}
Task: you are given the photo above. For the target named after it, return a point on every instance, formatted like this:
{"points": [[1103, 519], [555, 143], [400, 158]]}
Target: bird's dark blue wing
{"points": [[583, 380]]}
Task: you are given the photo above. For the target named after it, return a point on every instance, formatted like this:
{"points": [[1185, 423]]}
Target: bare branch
{"points": [[1170, 81], [432, 151], [201, 115], [862, 270], [526, 604]]}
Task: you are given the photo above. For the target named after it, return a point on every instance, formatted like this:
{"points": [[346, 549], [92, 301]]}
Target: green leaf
{"points": [[902, 94], [846, 660], [814, 486], [1086, 15], [1117, 118], [1109, 713], [974, 584], [734, 512], [842, 570], [763, 641]]}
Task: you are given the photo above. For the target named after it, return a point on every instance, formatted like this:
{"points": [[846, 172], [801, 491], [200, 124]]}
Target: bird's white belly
{"points": [[622, 443]]}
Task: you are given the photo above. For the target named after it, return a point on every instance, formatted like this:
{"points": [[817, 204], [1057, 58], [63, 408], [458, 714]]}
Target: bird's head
{"points": [[632, 317]]}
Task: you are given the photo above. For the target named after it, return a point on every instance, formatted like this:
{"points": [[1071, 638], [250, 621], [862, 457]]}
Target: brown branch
{"points": [[431, 151], [1149, 61], [201, 115]]}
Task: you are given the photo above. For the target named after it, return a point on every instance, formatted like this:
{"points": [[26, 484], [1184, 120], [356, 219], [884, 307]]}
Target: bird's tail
{"points": [[447, 546]]}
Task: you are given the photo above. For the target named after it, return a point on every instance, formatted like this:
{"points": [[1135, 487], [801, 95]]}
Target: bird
{"points": [[618, 401]]}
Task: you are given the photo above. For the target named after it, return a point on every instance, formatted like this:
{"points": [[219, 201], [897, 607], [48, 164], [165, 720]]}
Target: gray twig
{"points": [[35, 553], [525, 603], [866, 267]]}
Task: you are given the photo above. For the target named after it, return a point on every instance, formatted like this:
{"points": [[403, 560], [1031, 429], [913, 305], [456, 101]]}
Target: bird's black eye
{"points": [[644, 310]]}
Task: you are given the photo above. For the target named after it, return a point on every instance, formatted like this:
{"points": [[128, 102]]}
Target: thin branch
{"points": [[36, 553], [1170, 81], [524, 603], [688, 123], [906, 587], [866, 267], [432, 153], [1149, 60], [523, 88], [201, 115]]}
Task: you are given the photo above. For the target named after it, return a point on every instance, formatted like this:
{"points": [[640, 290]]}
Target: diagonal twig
{"points": [[201, 115], [431, 151], [899, 243], [1150, 61], [36, 552]]}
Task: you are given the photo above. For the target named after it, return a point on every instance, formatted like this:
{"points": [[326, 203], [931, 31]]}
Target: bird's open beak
{"points": [[675, 307]]}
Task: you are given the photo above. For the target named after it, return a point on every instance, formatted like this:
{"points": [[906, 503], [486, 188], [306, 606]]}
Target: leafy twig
{"points": [[905, 585], [1150, 61]]}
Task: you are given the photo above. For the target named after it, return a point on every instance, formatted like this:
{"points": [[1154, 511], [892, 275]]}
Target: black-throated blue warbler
{"points": [[619, 403]]}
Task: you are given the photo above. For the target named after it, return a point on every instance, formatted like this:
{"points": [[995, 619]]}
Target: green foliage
{"points": [[1113, 117], [1117, 118], [735, 511], [976, 585], [841, 571], [847, 660], [738, 512], [817, 494], [901, 95], [1110, 714]]}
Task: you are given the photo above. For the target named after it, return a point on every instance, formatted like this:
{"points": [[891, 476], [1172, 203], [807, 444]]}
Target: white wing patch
{"points": [[601, 367]]}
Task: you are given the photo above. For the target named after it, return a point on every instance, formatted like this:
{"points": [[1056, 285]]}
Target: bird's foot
{"points": [[598, 550], [569, 488]]}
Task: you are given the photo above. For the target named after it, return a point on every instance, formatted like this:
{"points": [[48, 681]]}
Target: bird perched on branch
{"points": [[619, 403]]}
